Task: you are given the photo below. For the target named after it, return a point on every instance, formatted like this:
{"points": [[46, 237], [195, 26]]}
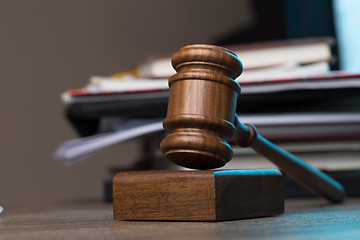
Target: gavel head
{"points": [[201, 108]]}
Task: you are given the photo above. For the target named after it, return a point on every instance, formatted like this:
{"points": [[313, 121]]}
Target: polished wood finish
{"points": [[155, 195], [201, 118], [197, 195], [201, 108]]}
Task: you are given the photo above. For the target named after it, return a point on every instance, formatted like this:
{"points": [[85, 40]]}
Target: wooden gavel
{"points": [[201, 118]]}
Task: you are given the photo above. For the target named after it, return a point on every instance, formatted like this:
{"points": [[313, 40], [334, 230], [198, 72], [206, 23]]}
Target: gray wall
{"points": [[48, 46]]}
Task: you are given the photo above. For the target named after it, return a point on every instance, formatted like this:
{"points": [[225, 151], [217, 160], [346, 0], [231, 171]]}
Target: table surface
{"points": [[303, 218]]}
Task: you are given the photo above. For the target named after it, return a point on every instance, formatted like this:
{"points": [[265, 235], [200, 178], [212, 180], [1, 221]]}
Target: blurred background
{"points": [[47, 47]]}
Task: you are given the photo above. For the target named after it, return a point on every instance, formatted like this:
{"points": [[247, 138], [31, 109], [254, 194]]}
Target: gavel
{"points": [[201, 119]]}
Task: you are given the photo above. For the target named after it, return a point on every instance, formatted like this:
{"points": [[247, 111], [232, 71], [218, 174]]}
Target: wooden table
{"points": [[303, 219]]}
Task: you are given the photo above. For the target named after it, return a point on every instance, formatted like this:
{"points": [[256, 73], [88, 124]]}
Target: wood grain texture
{"points": [[197, 195], [93, 219], [201, 107], [164, 195]]}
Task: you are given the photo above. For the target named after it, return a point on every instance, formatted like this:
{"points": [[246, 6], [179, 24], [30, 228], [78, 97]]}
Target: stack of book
{"points": [[288, 92], [262, 62], [277, 58]]}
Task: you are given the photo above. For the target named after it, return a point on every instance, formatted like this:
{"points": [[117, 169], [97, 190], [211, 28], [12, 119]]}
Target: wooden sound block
{"points": [[197, 195]]}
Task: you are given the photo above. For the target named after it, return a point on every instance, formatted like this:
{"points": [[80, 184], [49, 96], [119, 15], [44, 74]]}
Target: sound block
{"points": [[197, 195]]}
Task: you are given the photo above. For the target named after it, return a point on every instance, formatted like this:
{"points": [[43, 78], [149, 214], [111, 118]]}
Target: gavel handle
{"points": [[300, 171]]}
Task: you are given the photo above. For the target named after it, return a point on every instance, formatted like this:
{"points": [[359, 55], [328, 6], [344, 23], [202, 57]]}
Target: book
{"points": [[130, 83], [324, 155], [333, 92], [254, 56], [275, 127], [338, 159], [105, 89]]}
